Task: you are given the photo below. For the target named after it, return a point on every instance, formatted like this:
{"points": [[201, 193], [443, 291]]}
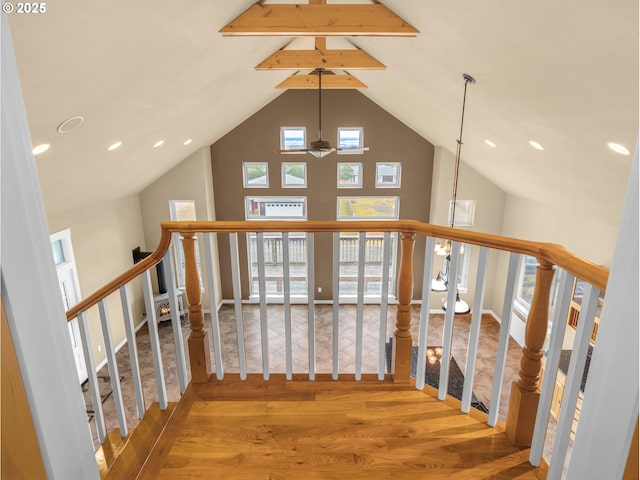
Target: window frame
{"points": [[274, 198], [283, 146], [358, 184], [396, 216], [398, 181], [245, 176], [284, 175], [359, 150]]}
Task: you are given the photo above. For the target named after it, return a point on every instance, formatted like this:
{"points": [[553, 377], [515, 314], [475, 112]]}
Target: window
{"points": [[294, 175], [293, 138], [525, 286], [349, 175], [350, 140], [363, 208], [275, 208], [183, 211], [388, 175], [255, 174], [465, 210]]}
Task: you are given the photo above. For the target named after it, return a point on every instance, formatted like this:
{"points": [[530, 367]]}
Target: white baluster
{"points": [[133, 350], [421, 359], [176, 324], [237, 302], [215, 324], [286, 278], [558, 328], [154, 339], [360, 306], [384, 301], [262, 293], [586, 320], [447, 335], [474, 331], [110, 353], [311, 316], [85, 337], [336, 303], [503, 342]]}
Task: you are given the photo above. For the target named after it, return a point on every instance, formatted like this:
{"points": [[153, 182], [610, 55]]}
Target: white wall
{"points": [[191, 179], [103, 237], [490, 204]]}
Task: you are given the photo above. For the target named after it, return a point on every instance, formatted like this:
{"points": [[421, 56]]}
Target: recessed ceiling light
{"points": [[616, 147], [113, 146], [70, 124], [43, 147], [490, 143], [187, 142], [158, 143], [536, 145]]}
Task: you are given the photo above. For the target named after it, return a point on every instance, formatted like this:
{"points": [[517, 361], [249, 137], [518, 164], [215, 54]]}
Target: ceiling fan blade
{"points": [[297, 150], [353, 149]]}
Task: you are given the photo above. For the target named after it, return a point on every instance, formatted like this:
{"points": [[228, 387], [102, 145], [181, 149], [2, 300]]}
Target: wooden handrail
{"points": [[545, 252]]}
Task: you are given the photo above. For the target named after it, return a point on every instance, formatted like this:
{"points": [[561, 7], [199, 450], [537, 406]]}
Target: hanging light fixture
{"points": [[441, 282]]}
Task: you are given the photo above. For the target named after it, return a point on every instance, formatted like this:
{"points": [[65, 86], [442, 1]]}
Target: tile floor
{"points": [[485, 363]]}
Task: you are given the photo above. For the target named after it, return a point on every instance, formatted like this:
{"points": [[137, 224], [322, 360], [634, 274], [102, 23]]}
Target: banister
{"points": [[545, 252]]}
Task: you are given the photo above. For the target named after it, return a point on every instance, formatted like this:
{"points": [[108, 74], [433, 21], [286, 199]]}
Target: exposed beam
{"points": [[320, 58], [329, 81], [319, 20]]}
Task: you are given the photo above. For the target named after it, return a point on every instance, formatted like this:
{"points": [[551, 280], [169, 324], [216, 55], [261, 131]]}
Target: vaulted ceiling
{"points": [[564, 74]]}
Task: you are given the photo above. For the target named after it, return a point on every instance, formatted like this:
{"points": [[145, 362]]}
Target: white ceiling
{"points": [[562, 73]]}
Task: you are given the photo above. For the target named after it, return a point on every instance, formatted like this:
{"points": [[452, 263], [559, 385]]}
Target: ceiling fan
{"points": [[321, 148]]}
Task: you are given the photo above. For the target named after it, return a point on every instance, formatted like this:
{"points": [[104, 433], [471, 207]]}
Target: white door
{"points": [[70, 291]]}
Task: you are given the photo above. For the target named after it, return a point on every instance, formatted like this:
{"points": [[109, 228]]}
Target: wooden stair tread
{"points": [[328, 429]]}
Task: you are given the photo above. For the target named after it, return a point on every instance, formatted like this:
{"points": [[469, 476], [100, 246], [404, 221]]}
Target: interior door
{"points": [[70, 291]]}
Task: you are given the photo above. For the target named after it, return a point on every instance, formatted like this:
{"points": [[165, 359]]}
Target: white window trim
{"points": [[245, 180], [299, 198], [351, 151], [349, 185], [395, 217], [398, 182], [282, 145], [293, 185]]}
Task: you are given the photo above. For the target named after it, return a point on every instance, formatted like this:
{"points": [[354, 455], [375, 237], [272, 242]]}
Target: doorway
{"points": [[70, 291]]}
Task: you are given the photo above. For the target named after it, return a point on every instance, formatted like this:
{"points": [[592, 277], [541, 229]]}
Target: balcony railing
{"points": [[529, 405]]}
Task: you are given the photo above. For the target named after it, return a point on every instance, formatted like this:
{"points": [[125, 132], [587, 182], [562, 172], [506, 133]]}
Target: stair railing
{"points": [[525, 399]]}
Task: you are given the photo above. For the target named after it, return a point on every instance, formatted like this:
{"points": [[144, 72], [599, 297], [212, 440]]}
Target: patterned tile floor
{"points": [[485, 363]]}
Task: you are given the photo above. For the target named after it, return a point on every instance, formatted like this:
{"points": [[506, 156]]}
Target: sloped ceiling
{"points": [[562, 73]]}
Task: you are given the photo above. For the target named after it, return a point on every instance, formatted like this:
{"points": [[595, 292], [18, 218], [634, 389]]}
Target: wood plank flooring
{"points": [[328, 430]]}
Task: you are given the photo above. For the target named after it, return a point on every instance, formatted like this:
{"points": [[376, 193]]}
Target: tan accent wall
{"points": [[103, 237], [257, 139]]}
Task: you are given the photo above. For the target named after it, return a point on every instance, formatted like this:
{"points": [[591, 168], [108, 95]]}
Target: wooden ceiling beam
{"points": [[318, 20], [329, 82], [329, 59]]}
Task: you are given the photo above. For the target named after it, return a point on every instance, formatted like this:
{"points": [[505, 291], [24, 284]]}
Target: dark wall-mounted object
{"points": [[139, 255]]}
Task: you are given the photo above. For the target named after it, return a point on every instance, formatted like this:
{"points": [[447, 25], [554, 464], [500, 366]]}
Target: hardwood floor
{"points": [[329, 430]]}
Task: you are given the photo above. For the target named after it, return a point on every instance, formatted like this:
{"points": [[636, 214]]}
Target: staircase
{"points": [[326, 429]]}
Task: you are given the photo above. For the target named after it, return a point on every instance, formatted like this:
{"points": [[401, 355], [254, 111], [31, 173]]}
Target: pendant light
{"points": [[441, 282]]}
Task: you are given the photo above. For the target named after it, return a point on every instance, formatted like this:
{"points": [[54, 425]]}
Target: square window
{"points": [[465, 210], [294, 175], [349, 175], [293, 138], [255, 174], [350, 140], [388, 175]]}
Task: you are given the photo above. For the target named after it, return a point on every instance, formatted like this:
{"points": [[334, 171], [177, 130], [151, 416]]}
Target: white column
{"points": [[610, 406], [31, 296]]}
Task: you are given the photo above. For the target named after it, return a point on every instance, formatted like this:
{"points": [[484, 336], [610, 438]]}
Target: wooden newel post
{"points": [[402, 342], [199, 357], [525, 393]]}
